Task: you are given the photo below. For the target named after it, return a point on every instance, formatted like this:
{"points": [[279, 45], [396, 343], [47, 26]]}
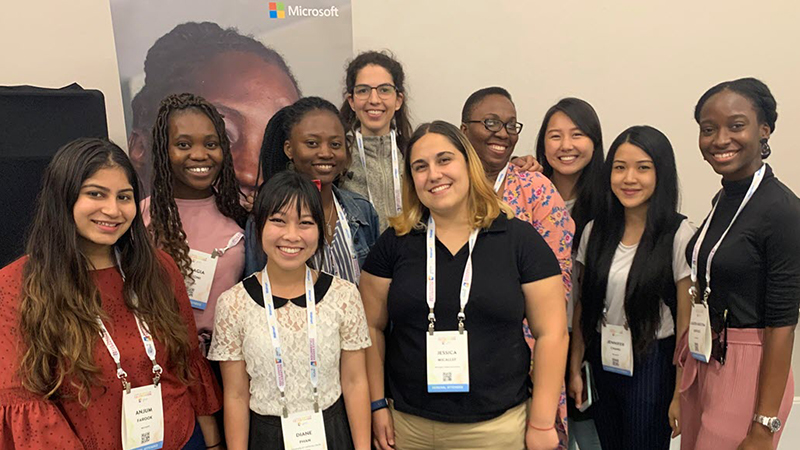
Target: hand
{"points": [[541, 440], [527, 163], [759, 438], [247, 203], [575, 388], [675, 416], [382, 429]]}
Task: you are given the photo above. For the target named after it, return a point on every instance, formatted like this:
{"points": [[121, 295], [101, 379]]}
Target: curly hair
{"points": [[165, 220], [60, 303]]}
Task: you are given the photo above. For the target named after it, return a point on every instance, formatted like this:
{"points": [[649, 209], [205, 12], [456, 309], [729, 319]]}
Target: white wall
{"points": [[636, 62]]}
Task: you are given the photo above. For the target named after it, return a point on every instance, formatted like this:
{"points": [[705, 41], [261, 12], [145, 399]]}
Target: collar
{"points": [[354, 213], [499, 225], [740, 187], [256, 292]]}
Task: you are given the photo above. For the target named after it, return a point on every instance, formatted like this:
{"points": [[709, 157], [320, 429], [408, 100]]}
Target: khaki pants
{"points": [[506, 432]]}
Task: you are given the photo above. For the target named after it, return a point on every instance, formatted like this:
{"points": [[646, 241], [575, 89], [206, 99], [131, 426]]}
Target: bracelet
{"points": [[541, 429], [215, 445], [379, 404]]}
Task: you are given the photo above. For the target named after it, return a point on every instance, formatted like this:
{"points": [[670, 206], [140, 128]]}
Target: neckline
{"points": [[256, 292]]}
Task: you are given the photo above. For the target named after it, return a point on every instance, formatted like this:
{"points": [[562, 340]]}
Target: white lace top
{"points": [[241, 333]]}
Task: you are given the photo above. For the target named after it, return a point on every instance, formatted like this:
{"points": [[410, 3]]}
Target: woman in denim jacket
{"points": [[309, 137]]}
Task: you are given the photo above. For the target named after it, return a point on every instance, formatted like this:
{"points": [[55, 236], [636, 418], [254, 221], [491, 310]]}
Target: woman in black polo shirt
{"points": [[444, 290]]}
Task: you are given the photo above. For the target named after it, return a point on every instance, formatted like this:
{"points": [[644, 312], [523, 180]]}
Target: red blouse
{"points": [[30, 423]]}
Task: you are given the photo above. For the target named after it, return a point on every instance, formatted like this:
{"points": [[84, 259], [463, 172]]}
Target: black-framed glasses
{"points": [[385, 91], [495, 125]]}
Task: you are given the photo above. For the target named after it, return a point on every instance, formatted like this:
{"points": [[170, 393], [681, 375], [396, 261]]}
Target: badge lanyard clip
{"points": [[231, 243]]}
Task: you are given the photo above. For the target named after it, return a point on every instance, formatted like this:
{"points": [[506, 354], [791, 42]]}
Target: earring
{"points": [[765, 150]]}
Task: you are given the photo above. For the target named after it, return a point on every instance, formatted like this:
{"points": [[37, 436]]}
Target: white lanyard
{"points": [[398, 198], [466, 280], [272, 320], [500, 178], [759, 175], [348, 237], [231, 243], [147, 341]]}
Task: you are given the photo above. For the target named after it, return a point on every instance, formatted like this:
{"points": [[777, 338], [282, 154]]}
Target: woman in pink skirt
{"points": [[736, 381]]}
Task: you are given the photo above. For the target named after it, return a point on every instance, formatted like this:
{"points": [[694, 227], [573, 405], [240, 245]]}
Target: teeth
{"points": [[568, 158], [373, 112], [106, 224], [325, 166], [725, 155], [440, 188], [199, 169], [499, 148], [291, 250]]}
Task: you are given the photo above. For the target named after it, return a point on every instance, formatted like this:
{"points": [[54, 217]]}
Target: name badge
{"points": [[700, 333], [617, 350], [448, 362], [142, 419], [204, 265], [304, 431]]}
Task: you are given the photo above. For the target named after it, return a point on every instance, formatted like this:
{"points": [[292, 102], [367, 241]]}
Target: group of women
{"points": [[412, 289]]}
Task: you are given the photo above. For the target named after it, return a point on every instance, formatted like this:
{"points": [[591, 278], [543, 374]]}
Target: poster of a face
{"points": [[249, 58]]}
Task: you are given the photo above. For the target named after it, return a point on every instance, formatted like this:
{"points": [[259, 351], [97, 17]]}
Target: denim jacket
{"points": [[361, 217]]}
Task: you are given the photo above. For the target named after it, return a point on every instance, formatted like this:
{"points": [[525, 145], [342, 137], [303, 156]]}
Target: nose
{"points": [[434, 173], [110, 207], [566, 143], [722, 138], [373, 96], [630, 176], [198, 153], [502, 133], [325, 151]]}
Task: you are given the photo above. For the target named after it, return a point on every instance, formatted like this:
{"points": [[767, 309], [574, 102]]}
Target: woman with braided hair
{"points": [[194, 212]]}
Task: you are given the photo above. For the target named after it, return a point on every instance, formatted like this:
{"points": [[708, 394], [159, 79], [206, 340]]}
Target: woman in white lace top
{"points": [[305, 391]]}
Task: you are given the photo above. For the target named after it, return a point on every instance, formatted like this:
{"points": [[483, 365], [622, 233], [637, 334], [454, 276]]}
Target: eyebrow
{"points": [[189, 136], [639, 161], [103, 188], [559, 129], [437, 155]]}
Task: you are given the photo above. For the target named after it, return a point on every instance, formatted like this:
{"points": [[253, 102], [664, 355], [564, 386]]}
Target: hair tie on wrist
{"points": [[541, 429]]}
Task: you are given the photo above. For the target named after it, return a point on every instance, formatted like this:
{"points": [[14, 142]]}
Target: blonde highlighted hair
{"points": [[484, 206]]}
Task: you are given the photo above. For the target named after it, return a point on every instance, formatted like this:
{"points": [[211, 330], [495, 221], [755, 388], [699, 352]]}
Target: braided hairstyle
{"points": [[272, 158], [165, 221], [385, 59]]}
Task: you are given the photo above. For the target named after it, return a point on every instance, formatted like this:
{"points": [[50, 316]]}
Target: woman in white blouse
{"points": [[290, 339]]}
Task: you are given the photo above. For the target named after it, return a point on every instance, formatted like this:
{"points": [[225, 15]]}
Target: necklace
{"points": [[328, 228]]}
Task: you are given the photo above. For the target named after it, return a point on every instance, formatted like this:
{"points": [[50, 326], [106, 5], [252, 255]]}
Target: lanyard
{"points": [[272, 320], [500, 177], [348, 237], [466, 280], [147, 341], [231, 243], [759, 175], [398, 198]]}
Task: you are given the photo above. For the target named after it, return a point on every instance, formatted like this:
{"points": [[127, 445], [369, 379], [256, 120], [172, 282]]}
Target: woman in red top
{"points": [[91, 271]]}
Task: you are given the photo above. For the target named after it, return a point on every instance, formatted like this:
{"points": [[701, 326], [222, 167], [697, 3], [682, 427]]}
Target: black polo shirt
{"points": [[755, 273], [506, 255]]}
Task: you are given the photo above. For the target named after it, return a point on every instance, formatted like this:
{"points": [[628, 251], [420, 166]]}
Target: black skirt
{"points": [[265, 431]]}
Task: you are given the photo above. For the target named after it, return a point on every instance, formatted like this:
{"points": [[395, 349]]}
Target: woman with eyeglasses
{"points": [[489, 120], [736, 387], [445, 291]]}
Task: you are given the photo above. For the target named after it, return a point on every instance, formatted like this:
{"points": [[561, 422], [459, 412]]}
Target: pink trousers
{"points": [[718, 401]]}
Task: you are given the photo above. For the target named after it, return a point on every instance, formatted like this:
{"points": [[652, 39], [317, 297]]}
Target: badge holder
{"points": [[616, 348], [700, 327], [304, 430], [447, 358]]}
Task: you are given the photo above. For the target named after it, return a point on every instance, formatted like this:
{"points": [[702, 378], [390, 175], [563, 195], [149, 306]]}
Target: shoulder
{"points": [[532, 179], [343, 289], [781, 202], [11, 286], [354, 203]]}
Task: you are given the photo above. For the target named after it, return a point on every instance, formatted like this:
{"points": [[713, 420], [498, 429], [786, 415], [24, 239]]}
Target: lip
{"points": [[291, 253], [630, 192], [442, 188], [723, 157], [571, 159], [374, 113], [106, 226], [324, 168], [497, 149], [197, 172]]}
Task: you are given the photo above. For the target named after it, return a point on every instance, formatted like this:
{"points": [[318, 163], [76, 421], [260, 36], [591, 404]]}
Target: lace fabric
{"points": [[241, 333]]}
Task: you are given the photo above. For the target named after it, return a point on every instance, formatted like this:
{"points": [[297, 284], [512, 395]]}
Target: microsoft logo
{"points": [[277, 10]]}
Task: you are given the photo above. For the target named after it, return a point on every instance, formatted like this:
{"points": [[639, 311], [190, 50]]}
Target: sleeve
{"points": [[782, 249], [581, 255], [27, 421], [383, 255], [535, 259], [226, 341], [374, 225], [680, 267], [353, 330], [204, 390], [553, 222]]}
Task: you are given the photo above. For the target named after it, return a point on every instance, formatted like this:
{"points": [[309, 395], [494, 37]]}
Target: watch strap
{"points": [[379, 404]]}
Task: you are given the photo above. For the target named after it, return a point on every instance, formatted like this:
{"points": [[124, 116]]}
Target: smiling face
{"points": [[633, 176], [440, 174], [493, 148], [195, 155], [730, 135], [104, 210], [316, 145], [290, 239], [567, 148], [375, 113]]}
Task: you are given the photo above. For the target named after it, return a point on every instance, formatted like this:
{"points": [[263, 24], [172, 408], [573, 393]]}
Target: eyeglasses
{"points": [[495, 125], [363, 91]]}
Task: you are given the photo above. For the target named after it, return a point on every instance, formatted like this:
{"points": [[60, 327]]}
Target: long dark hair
{"points": [[588, 194], [165, 223], [60, 302], [650, 280], [387, 61], [272, 158]]}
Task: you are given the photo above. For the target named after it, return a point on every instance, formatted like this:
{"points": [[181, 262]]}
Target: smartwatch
{"points": [[379, 404]]}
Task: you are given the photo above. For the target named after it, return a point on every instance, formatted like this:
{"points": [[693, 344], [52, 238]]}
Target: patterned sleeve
{"points": [[553, 222], [353, 330], [226, 342]]}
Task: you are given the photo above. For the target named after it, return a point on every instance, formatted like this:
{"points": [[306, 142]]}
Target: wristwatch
{"points": [[773, 424], [380, 404]]}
